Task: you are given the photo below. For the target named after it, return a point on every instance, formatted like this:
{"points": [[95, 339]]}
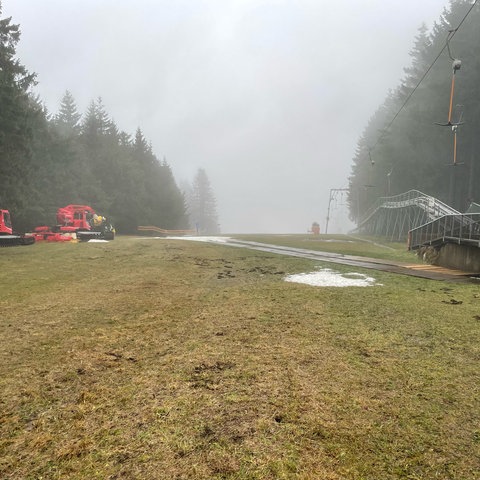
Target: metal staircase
{"points": [[393, 217], [424, 221], [461, 229]]}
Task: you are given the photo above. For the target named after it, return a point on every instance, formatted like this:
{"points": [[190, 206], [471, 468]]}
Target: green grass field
{"points": [[346, 244], [164, 359]]}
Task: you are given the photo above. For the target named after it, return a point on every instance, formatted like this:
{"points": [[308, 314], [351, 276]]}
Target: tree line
{"points": [[48, 161], [414, 152]]}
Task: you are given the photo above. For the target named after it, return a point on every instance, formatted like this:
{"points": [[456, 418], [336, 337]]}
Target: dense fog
{"points": [[269, 97]]}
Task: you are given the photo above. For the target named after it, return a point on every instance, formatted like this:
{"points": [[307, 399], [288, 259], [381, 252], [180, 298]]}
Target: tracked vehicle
{"points": [[76, 222], [9, 238]]}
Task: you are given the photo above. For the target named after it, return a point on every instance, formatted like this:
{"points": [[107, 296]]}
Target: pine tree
{"points": [[96, 122], [18, 115], [142, 149], [202, 205], [67, 119], [125, 139]]}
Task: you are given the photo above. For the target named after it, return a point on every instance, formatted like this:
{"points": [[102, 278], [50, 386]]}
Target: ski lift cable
{"points": [[451, 34]]}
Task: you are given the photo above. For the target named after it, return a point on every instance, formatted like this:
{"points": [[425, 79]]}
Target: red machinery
{"points": [[76, 222], [8, 238]]}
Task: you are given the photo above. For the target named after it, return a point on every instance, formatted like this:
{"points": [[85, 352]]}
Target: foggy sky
{"points": [[268, 96]]}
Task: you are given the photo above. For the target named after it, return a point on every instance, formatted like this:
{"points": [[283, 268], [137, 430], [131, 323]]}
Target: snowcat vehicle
{"points": [[76, 222], [9, 238]]}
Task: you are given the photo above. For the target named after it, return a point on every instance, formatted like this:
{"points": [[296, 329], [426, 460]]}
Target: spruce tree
{"points": [[203, 206], [18, 115], [67, 119]]}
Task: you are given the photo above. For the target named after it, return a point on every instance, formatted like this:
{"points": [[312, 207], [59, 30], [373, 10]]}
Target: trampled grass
{"points": [[162, 359]]}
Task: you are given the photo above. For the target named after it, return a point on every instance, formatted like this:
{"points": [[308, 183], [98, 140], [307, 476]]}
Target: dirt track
{"points": [[431, 272]]}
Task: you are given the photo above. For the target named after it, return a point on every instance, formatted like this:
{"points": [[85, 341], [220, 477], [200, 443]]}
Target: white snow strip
{"points": [[200, 238], [330, 278]]}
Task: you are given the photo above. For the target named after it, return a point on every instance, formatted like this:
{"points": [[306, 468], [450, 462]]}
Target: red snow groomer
{"points": [[76, 222], [8, 238]]}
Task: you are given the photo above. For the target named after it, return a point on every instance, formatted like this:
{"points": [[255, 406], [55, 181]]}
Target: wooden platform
{"points": [[441, 270]]}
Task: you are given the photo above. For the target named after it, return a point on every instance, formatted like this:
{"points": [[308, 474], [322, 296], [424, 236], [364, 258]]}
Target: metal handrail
{"points": [[433, 207], [460, 229]]}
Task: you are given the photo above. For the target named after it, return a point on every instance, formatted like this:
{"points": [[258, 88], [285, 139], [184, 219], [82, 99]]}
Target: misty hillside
{"points": [[51, 160], [414, 152], [65, 156]]}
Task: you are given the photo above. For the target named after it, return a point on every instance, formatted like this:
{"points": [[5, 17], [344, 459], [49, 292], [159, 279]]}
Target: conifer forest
{"points": [[420, 138], [49, 160], [403, 146]]}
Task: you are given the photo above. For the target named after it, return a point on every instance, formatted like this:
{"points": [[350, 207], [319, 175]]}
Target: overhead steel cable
{"points": [[451, 34]]}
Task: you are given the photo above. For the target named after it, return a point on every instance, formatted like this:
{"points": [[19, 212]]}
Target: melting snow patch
{"points": [[202, 239], [330, 278]]}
